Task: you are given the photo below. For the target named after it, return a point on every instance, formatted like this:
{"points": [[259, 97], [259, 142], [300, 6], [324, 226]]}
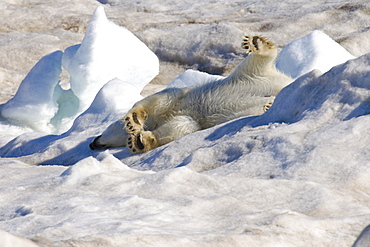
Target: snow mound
{"points": [[35, 102], [338, 95], [108, 51], [313, 51]]}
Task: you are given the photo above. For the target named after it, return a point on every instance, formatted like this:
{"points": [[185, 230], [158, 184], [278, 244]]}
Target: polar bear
{"points": [[163, 117]]}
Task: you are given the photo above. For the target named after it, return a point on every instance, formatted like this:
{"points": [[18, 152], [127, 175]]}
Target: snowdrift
{"points": [[294, 176]]}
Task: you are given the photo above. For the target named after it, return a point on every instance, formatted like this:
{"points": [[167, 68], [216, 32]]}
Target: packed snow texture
{"points": [[294, 176]]}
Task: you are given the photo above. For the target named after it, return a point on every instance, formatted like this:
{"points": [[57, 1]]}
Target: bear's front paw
{"points": [[141, 142], [134, 121]]}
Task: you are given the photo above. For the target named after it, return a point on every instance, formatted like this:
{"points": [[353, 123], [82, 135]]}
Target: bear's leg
{"points": [[174, 129]]}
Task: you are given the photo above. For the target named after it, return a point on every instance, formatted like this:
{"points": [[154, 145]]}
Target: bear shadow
{"points": [[35, 145], [73, 155]]}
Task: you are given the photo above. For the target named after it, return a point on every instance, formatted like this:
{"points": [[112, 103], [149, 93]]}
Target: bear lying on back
{"points": [[163, 117]]}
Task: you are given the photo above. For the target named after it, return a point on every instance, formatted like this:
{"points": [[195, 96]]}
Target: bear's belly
{"points": [[210, 109]]}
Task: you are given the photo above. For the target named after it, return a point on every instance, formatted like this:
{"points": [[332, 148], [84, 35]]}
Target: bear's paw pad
{"points": [[256, 44], [135, 144], [134, 121], [141, 142]]}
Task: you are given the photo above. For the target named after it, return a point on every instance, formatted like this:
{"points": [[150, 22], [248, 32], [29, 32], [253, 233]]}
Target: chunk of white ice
{"points": [[313, 51], [193, 77], [107, 51], [35, 102]]}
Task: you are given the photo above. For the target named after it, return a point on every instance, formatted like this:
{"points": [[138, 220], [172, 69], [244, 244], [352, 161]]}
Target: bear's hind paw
{"points": [[257, 44], [268, 105], [141, 142]]}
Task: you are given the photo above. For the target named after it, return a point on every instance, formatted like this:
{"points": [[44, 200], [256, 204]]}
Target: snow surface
{"points": [[294, 176]]}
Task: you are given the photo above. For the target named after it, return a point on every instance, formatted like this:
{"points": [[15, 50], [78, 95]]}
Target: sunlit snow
{"points": [[297, 175]]}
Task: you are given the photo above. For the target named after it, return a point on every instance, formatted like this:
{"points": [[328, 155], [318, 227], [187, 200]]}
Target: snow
{"points": [[363, 239], [99, 59], [37, 93], [294, 176], [105, 50], [191, 78], [9, 240], [313, 51]]}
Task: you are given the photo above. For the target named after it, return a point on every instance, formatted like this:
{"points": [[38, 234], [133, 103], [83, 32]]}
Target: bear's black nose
{"points": [[94, 145]]}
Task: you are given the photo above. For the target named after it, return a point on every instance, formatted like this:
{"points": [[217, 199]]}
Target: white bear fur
{"points": [[174, 112]]}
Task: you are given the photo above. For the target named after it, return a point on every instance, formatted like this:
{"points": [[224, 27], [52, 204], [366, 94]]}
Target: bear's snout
{"points": [[94, 145]]}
